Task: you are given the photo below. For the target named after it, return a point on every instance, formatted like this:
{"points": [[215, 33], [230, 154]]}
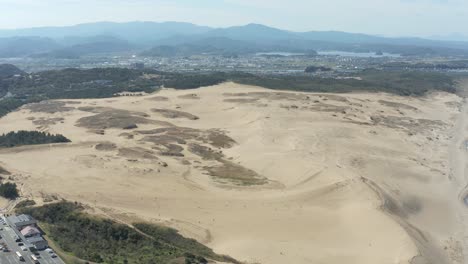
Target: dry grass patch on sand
{"points": [[174, 114]]}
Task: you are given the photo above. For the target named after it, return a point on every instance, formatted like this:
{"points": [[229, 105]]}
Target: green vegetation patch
{"points": [[107, 82], [7, 70], [10, 104], [21, 138], [192, 81], [25, 203], [9, 190], [74, 84], [409, 82], [105, 241], [77, 83], [405, 83]]}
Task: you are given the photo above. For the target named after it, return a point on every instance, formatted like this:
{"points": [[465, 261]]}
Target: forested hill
{"points": [[8, 70]]}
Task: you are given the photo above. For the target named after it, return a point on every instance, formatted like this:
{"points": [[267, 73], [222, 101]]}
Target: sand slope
{"points": [[261, 175]]}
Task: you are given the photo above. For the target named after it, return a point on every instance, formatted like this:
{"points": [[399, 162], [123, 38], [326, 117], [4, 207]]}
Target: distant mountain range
{"points": [[183, 39]]}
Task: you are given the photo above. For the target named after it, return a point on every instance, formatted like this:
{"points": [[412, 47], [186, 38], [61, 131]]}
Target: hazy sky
{"points": [[385, 17]]}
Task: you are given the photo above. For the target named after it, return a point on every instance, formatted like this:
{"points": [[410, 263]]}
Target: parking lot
{"points": [[8, 237]]}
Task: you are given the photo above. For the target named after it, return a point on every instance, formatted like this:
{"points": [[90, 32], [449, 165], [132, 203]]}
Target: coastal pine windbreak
{"points": [[21, 138]]}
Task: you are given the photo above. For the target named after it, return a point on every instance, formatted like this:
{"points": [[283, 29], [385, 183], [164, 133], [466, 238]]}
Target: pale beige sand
{"points": [[4, 203], [330, 161]]}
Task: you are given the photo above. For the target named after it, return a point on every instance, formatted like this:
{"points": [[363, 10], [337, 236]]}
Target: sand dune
{"points": [[260, 175]]}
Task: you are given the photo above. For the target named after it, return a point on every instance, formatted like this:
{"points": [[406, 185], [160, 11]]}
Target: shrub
{"points": [[9, 190]]}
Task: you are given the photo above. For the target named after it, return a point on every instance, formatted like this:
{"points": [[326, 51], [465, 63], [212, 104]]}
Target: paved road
{"points": [[8, 235]]}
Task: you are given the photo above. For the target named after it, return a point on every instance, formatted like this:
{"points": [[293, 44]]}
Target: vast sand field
{"points": [[263, 176]]}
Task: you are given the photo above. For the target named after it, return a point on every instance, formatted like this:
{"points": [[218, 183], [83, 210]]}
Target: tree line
{"points": [[20, 138], [108, 82]]}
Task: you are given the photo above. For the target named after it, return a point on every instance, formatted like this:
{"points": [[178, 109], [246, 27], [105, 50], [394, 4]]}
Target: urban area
{"points": [[22, 241]]}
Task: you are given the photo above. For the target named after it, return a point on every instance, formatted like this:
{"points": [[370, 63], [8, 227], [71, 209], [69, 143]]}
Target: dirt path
{"points": [[459, 166]]}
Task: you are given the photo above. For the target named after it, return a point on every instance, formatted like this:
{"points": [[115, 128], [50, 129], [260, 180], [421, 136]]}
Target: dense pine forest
{"points": [[21, 138]]}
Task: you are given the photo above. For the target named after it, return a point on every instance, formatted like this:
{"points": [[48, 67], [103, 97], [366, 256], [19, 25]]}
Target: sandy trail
{"points": [[307, 161], [459, 165]]}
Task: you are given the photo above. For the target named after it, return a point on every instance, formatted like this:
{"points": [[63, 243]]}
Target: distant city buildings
{"points": [[138, 65], [250, 63]]}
